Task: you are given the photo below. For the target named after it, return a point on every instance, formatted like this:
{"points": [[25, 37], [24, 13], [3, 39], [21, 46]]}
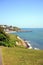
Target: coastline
{"points": [[25, 43]]}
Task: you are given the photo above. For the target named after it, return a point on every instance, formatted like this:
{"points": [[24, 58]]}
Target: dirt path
{"points": [[0, 57]]}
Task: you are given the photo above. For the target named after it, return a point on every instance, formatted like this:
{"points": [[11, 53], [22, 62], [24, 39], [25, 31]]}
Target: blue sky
{"points": [[22, 13]]}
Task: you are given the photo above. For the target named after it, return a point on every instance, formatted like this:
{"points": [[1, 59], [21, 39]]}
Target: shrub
{"points": [[5, 39]]}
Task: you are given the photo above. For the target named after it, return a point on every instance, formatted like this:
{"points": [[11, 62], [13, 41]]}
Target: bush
{"points": [[5, 39], [3, 43]]}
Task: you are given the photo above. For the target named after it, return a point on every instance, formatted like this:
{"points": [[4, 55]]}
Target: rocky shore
{"points": [[24, 43]]}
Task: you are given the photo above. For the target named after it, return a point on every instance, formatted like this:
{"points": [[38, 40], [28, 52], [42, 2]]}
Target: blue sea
{"points": [[35, 37]]}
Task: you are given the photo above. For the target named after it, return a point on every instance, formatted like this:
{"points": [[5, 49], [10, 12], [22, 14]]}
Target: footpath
{"points": [[1, 57]]}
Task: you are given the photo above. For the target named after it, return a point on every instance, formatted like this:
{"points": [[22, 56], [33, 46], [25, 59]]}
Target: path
{"points": [[0, 57]]}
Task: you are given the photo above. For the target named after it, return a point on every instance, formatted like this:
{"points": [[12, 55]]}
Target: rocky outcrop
{"points": [[23, 43]]}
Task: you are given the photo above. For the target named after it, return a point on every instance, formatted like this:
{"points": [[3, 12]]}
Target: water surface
{"points": [[35, 37]]}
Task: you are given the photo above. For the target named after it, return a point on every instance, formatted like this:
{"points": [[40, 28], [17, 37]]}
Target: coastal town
{"points": [[8, 28], [13, 29]]}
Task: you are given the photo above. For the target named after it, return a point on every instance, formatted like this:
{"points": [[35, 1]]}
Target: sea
{"points": [[35, 37]]}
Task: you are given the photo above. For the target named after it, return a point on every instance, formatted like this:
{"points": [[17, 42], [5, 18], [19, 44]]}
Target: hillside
{"points": [[22, 56], [10, 40]]}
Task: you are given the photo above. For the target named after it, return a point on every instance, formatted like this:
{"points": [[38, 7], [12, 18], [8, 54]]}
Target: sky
{"points": [[22, 13]]}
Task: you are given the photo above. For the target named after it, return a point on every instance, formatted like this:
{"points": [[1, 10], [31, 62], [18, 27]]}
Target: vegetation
{"points": [[12, 40], [18, 55], [6, 39], [22, 56]]}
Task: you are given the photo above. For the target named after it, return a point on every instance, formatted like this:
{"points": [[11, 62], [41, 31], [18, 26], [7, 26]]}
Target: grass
{"points": [[13, 39], [22, 56]]}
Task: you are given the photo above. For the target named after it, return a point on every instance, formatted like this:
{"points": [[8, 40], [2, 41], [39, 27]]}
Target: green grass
{"points": [[13, 39], [22, 56]]}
